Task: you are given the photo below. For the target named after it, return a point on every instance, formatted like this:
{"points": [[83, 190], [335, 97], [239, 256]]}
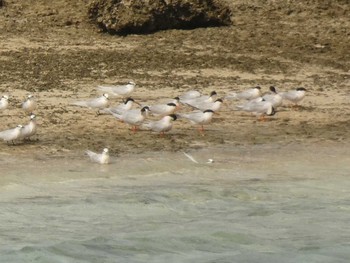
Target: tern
{"points": [[127, 105], [199, 117], [101, 158], [188, 95], [29, 105], [29, 129], [258, 107], [97, 103], [203, 98], [121, 90], [11, 134], [295, 96], [248, 94], [273, 97], [133, 117], [207, 105], [163, 109], [163, 125], [4, 102]]}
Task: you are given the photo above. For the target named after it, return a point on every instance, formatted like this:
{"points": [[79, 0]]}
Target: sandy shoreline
{"points": [[65, 128], [60, 64], [47, 167]]}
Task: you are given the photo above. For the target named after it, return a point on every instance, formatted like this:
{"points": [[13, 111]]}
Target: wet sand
{"points": [[240, 162]]}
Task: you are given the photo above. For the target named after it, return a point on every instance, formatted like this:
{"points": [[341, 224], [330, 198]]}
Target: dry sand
{"points": [[53, 52]]}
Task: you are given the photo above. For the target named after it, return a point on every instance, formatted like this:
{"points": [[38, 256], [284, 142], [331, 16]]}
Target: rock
{"points": [[146, 16]]}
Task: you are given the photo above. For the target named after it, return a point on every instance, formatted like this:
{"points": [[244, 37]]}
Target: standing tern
{"points": [[127, 105], [207, 105], [273, 97], [101, 158], [294, 96], [258, 107], [97, 103], [191, 94], [203, 98], [248, 94], [163, 125], [29, 105], [4, 102], [29, 129], [11, 134], [133, 117], [199, 117], [121, 90], [163, 109]]}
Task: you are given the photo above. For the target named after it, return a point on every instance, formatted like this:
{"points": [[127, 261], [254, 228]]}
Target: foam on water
{"points": [[252, 204]]}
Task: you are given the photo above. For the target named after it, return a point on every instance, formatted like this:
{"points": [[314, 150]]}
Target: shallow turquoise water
{"points": [[253, 204]]}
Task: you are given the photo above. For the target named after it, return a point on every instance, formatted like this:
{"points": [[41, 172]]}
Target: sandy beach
{"points": [[53, 52]]}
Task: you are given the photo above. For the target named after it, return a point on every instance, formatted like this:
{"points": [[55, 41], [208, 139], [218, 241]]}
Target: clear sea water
{"points": [[264, 203]]}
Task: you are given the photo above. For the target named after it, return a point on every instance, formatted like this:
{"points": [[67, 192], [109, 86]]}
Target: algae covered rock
{"points": [[147, 16]]}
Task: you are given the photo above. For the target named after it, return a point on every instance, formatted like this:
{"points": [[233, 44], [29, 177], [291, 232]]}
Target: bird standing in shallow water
{"points": [[101, 158]]}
